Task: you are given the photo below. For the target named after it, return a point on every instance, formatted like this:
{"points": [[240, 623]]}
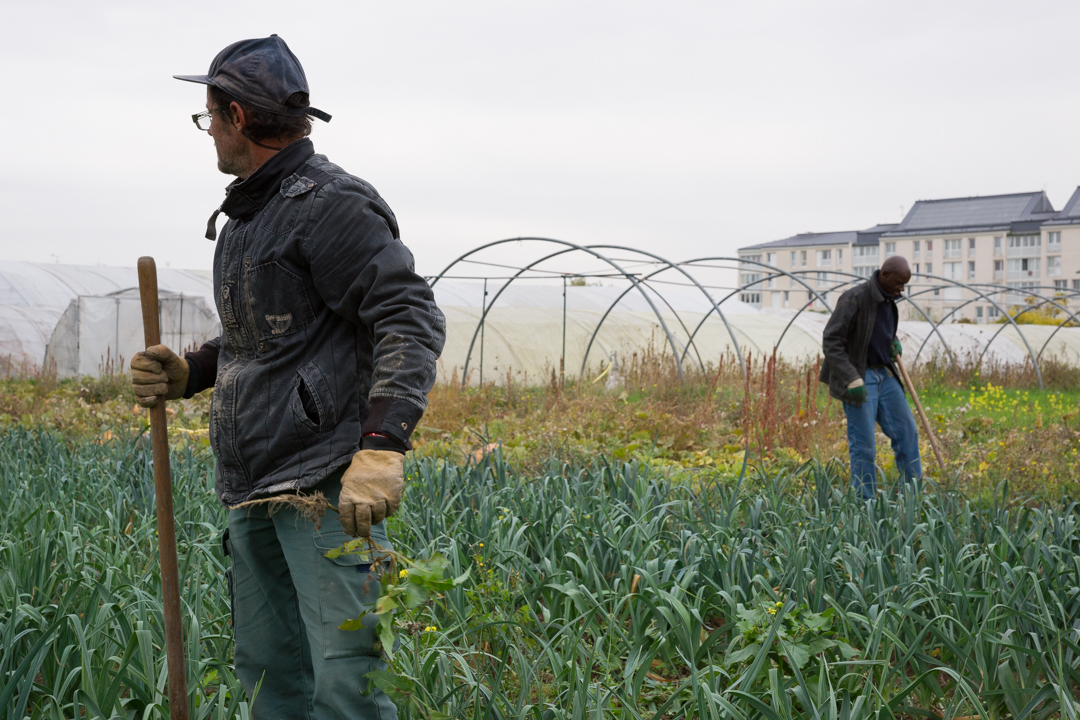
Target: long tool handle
{"points": [[170, 573], [922, 415]]}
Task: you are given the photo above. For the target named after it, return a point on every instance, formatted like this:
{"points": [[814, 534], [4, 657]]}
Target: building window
{"points": [[823, 279], [999, 269], [979, 314], [1076, 284], [937, 292], [971, 246], [792, 258], [839, 257], [752, 258], [750, 278], [952, 270], [1025, 245], [770, 258], [1061, 284], [802, 256], [930, 270], [1054, 241], [1023, 268], [890, 249], [971, 269], [916, 253], [929, 247], [751, 298], [1016, 298], [916, 268], [952, 248], [865, 260], [1053, 265], [824, 258], [993, 311], [787, 297]]}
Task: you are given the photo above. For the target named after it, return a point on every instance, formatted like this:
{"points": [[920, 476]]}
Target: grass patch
{"points": [[992, 422]]}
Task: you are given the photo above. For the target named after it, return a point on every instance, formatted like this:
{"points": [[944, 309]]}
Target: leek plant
{"points": [[605, 590]]}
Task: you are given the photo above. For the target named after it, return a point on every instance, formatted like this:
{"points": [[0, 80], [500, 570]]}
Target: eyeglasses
{"points": [[202, 119]]}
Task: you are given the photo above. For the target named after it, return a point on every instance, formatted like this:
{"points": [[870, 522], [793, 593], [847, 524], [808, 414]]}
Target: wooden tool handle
{"points": [[922, 415], [148, 293], [170, 573]]}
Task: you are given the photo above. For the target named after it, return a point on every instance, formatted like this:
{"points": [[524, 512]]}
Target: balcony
{"points": [[952, 252], [1022, 275], [1025, 252]]}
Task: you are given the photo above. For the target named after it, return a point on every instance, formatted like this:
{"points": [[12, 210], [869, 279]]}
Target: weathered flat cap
{"points": [[264, 73]]}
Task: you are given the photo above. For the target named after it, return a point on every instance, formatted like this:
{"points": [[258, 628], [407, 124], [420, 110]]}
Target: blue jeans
{"points": [[886, 405]]}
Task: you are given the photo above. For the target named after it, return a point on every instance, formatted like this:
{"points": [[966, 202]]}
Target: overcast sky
{"points": [[687, 128]]}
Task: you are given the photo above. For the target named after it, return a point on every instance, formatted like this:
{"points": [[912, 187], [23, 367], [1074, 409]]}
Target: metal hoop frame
{"points": [[983, 292]]}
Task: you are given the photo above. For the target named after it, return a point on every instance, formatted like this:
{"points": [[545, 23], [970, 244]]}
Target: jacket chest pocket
{"points": [[278, 300]]}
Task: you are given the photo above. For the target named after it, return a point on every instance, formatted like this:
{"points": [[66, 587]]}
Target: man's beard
{"points": [[231, 160]]}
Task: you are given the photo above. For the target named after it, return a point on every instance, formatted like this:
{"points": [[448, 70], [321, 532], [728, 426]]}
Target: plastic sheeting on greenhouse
{"points": [[83, 316], [29, 284], [100, 333], [24, 334], [80, 316], [524, 330]]}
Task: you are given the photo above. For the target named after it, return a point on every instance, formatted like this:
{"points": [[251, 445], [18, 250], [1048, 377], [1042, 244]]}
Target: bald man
{"points": [[860, 349]]}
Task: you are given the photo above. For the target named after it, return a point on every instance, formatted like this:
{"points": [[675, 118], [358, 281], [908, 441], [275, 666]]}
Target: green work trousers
{"points": [[288, 600]]}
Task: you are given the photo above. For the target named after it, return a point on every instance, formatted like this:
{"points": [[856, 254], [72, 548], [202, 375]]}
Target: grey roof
{"points": [[871, 236], [844, 237], [1070, 214], [972, 213]]}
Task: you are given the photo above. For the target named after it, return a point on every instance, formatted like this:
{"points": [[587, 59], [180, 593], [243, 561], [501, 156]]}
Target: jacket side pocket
{"points": [[312, 402]]}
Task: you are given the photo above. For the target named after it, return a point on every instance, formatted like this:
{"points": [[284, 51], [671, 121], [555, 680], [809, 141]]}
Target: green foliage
{"points": [[416, 584], [604, 590], [782, 631]]}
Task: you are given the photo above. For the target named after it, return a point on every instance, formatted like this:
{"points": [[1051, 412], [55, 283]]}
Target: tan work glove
{"points": [[158, 372], [371, 490]]}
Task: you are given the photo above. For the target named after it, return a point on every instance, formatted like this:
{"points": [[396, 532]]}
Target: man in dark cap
{"points": [[860, 349], [328, 349]]}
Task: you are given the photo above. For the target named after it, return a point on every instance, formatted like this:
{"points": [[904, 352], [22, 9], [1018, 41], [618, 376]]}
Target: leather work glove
{"points": [[158, 372], [371, 490], [895, 350], [856, 390]]}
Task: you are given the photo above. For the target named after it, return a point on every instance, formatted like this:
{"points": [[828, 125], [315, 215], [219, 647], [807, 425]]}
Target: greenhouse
{"points": [[571, 311], [85, 319]]}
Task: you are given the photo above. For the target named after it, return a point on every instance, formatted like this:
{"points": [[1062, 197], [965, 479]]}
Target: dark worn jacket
{"points": [[327, 332], [847, 337]]}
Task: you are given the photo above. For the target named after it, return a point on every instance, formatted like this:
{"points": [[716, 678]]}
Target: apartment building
{"points": [[1001, 248], [819, 265]]}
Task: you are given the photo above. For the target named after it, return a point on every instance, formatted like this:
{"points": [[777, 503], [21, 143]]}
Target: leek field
{"points": [[599, 588]]}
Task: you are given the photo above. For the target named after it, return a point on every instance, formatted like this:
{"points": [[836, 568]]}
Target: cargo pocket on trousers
{"points": [[348, 588]]}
